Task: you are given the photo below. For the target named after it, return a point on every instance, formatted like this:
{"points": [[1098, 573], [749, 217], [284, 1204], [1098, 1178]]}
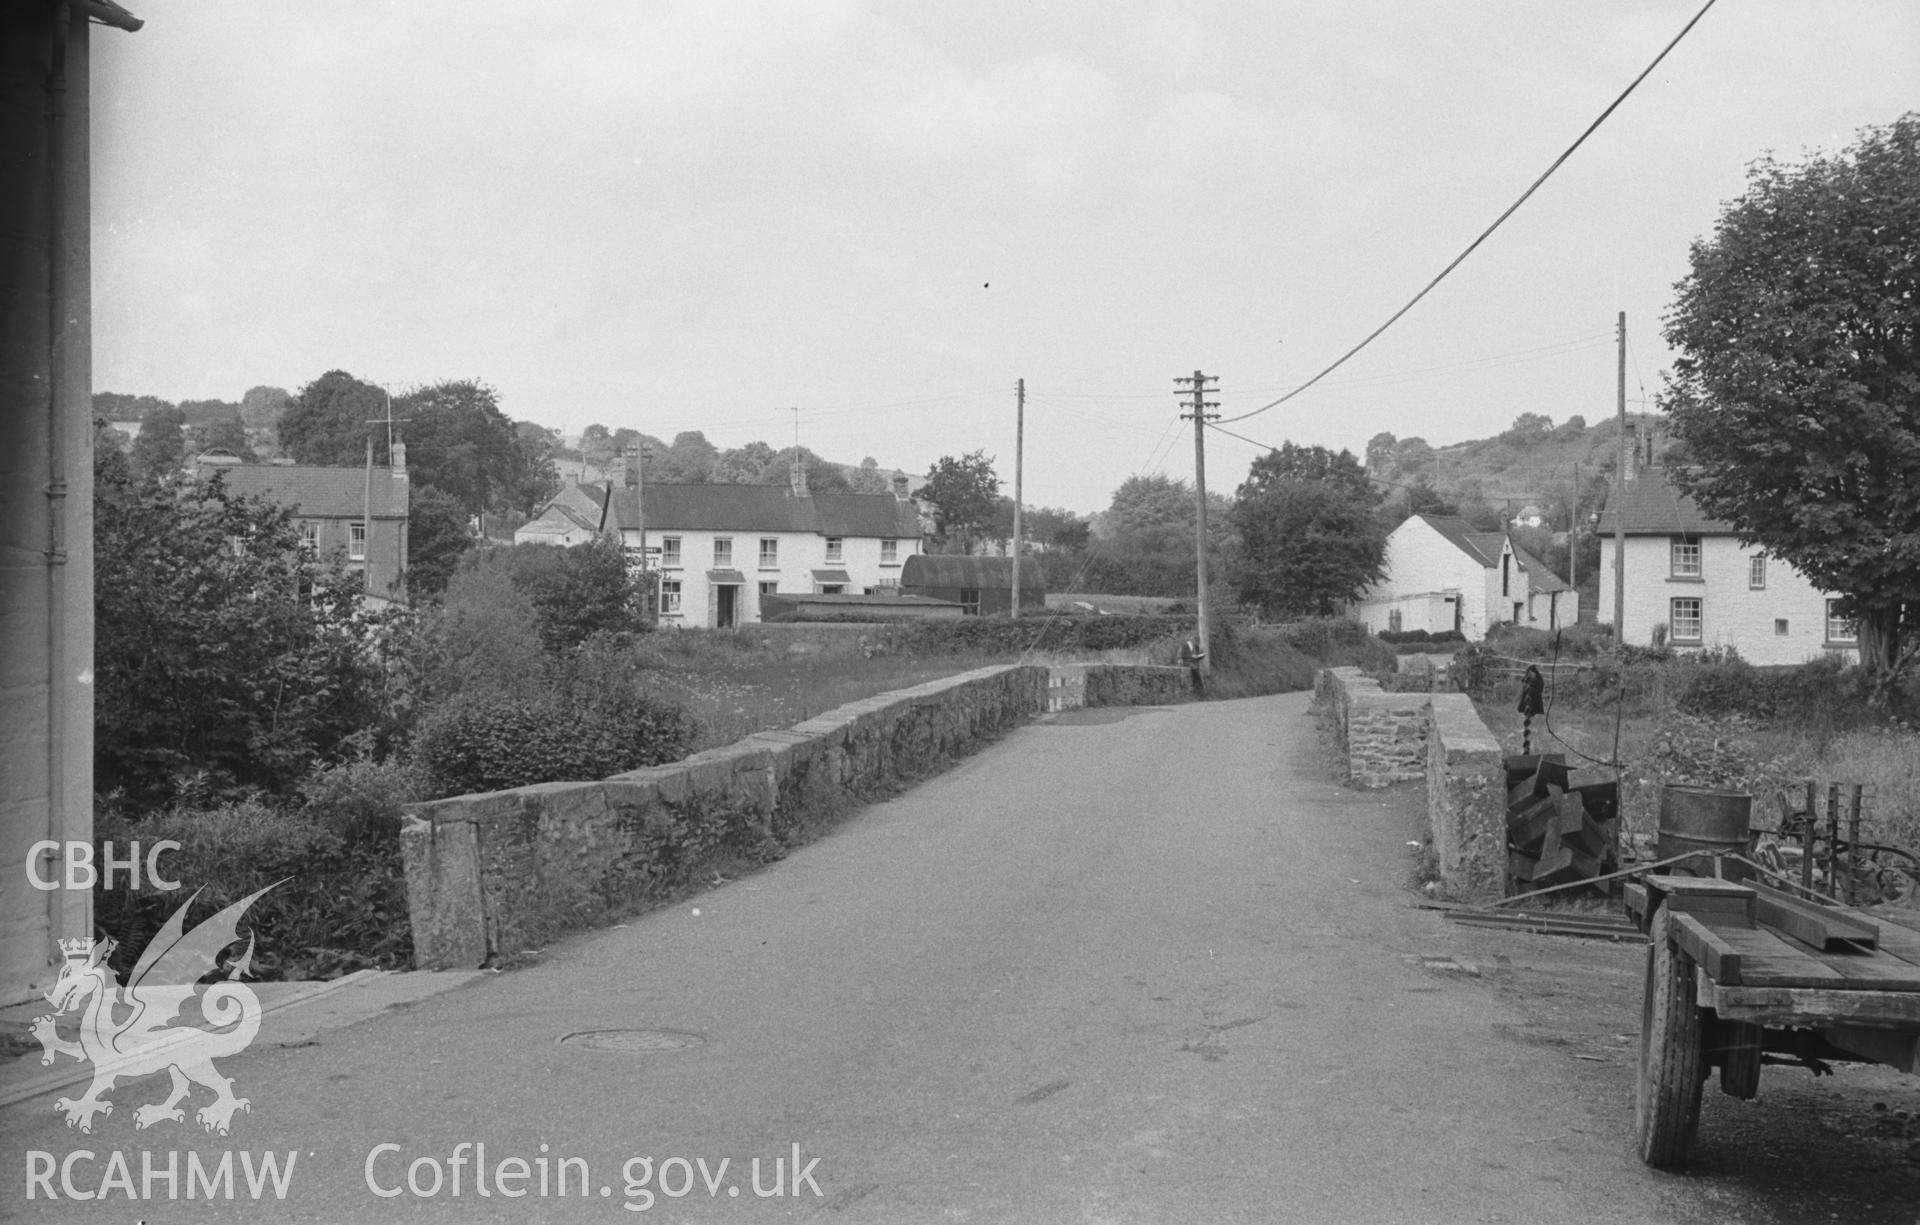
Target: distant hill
{"points": [[1532, 464]]}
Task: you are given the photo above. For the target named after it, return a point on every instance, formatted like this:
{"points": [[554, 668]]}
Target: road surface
{"points": [[1127, 965]]}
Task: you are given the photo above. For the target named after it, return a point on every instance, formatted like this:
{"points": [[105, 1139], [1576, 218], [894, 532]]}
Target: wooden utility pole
{"points": [[1573, 543], [1200, 415], [1620, 495], [1019, 444]]}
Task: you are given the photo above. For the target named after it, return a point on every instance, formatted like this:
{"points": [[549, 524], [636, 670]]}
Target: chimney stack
{"points": [[398, 452], [900, 489], [1633, 452], [633, 466], [798, 478]]}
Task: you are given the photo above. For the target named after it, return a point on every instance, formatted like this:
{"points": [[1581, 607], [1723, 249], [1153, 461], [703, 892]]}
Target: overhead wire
{"points": [[1497, 223]]}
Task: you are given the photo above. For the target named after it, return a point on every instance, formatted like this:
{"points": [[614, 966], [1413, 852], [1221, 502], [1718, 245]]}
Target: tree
{"points": [[596, 446], [221, 434], [962, 493], [160, 449], [1309, 538], [576, 592], [1797, 388], [206, 412], [437, 538], [219, 650], [535, 478], [459, 440], [1380, 450], [746, 465], [261, 407], [689, 460], [1144, 539], [1528, 429], [326, 423]]}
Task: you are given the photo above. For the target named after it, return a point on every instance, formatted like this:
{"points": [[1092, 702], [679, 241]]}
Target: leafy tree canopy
{"points": [[1309, 538], [261, 407], [327, 422], [1797, 388], [160, 449], [437, 538], [221, 434], [963, 492], [219, 653], [459, 441]]}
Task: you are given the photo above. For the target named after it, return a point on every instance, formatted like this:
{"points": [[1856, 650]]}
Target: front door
{"points": [[726, 613]]}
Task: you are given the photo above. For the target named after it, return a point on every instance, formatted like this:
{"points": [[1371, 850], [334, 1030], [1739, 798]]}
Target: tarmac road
{"points": [[1128, 965]]}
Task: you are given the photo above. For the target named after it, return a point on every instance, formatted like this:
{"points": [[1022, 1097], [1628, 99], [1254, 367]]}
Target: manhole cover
{"points": [[634, 1041]]}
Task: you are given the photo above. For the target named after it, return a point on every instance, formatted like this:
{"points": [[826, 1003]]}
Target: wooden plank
{"points": [[1712, 952], [1875, 971], [1768, 960], [1901, 942], [1816, 1006], [1698, 885], [1823, 927], [1635, 895]]}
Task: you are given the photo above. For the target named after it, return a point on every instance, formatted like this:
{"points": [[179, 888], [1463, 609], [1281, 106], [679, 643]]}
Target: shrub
{"points": [[476, 742], [340, 903]]}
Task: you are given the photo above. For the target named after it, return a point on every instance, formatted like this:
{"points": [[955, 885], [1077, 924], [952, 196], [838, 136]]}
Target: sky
{"points": [[708, 215]]}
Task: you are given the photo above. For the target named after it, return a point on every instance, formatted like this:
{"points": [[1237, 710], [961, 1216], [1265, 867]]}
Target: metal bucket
{"points": [[1704, 819]]}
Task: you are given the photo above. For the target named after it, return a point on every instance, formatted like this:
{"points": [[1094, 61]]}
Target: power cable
{"points": [[1498, 221]]}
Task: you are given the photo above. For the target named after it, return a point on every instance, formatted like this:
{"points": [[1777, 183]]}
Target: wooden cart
{"points": [[1741, 975]]}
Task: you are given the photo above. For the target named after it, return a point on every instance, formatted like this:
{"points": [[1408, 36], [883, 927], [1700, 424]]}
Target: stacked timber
{"points": [[1563, 826]]}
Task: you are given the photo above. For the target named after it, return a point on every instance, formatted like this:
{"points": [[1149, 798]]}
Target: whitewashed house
{"points": [[720, 550], [1442, 575], [1689, 579]]}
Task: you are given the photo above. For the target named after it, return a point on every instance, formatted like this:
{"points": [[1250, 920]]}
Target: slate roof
{"points": [[765, 508], [938, 571], [1540, 577], [1653, 506], [1486, 547], [1457, 533], [320, 493]]}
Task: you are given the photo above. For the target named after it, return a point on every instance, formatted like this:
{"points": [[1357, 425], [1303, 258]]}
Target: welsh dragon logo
{"points": [[134, 1031]]}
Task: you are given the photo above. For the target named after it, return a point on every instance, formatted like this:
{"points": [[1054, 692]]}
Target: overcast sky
{"points": [[679, 216]]}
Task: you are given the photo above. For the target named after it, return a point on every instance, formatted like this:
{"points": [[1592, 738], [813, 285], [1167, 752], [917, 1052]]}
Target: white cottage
{"points": [[1689, 579], [1442, 575], [721, 550]]}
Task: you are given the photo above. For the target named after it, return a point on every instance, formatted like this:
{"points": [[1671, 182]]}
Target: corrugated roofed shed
{"points": [[981, 585]]}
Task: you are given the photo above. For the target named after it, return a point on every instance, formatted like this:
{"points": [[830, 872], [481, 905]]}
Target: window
{"points": [[889, 552], [1840, 630], [832, 588], [1683, 621], [767, 589], [1393, 621], [769, 553], [1757, 572], [970, 601], [670, 551], [310, 536], [1686, 558], [1780, 626], [723, 550], [357, 542], [669, 597], [835, 549]]}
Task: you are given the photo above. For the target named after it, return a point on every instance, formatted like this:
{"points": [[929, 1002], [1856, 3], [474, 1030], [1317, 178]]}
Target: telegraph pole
{"points": [[1019, 444], [366, 503], [1573, 543], [1620, 490], [1200, 415]]}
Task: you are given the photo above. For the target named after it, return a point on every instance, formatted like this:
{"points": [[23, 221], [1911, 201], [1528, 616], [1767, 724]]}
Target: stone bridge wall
{"points": [[495, 874], [1437, 738]]}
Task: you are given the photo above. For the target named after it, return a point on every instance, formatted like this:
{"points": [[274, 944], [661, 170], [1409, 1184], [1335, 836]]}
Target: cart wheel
{"points": [[1671, 1068], [1740, 1059]]}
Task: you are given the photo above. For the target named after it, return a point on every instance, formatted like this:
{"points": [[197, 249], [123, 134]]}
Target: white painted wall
{"points": [[1425, 571], [1733, 613], [799, 554]]}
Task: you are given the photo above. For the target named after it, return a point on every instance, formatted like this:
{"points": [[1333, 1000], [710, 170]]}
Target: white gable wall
{"points": [[1426, 574]]}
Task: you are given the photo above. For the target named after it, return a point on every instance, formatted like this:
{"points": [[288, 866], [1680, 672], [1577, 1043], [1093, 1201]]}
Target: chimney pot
{"points": [[900, 488]]}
